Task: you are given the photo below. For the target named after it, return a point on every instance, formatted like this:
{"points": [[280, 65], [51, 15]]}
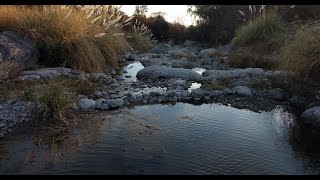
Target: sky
{"points": [[173, 12]]}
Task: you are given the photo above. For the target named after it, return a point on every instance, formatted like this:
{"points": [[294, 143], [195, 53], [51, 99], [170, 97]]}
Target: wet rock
{"points": [[197, 93], [242, 91], [99, 103], [113, 72], [86, 104], [312, 115], [104, 106], [115, 103], [127, 76], [131, 98], [158, 72], [207, 98], [277, 94], [18, 49], [228, 91]]}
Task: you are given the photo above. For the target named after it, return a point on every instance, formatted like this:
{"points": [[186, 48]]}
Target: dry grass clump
{"points": [[54, 97], [87, 38], [140, 37], [261, 28], [301, 54], [8, 69]]}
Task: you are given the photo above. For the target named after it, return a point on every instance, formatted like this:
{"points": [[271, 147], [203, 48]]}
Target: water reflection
{"points": [[132, 70], [193, 86], [199, 70], [170, 139]]}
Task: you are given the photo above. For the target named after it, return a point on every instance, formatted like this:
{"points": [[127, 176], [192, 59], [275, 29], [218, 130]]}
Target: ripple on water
{"points": [[172, 139]]}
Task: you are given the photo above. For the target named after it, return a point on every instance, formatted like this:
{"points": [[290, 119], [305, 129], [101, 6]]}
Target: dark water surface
{"points": [[171, 139]]}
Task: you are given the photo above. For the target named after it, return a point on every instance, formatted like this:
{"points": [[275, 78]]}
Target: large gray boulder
{"points": [[157, 72], [86, 104], [161, 48], [243, 91], [18, 49], [312, 115]]}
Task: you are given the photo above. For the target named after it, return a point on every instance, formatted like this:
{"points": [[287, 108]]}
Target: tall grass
{"points": [[261, 28], [80, 37], [301, 54], [140, 37]]}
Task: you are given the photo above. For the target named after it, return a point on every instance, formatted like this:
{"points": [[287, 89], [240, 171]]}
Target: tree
{"points": [[216, 23], [141, 10]]}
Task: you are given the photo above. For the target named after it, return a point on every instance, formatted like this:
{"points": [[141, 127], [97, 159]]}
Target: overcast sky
{"points": [[173, 12]]}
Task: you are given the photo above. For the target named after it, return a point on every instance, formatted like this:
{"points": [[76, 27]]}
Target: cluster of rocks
{"points": [[166, 67], [50, 73]]}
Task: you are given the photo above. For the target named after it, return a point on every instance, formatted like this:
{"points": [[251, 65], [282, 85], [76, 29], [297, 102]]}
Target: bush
{"points": [[54, 101], [301, 55], [140, 38], [262, 28], [67, 36]]}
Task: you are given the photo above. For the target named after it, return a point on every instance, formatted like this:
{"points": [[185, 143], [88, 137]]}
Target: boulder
{"points": [[86, 104], [157, 72], [312, 115], [18, 49]]}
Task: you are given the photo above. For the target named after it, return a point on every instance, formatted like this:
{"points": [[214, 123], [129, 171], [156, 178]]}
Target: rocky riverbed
{"points": [[182, 73]]}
